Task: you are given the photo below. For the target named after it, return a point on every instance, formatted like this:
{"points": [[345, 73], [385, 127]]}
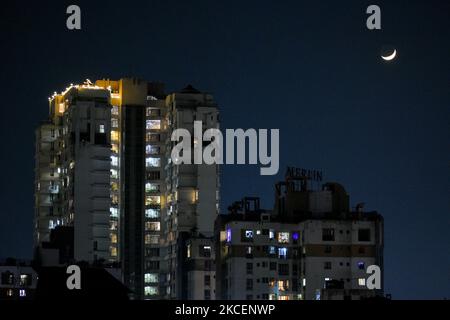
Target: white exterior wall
{"points": [[342, 268], [237, 272], [311, 266], [192, 189], [92, 203], [196, 272], [196, 287]]}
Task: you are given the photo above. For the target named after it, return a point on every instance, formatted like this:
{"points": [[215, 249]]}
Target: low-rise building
{"points": [[311, 246], [18, 281]]}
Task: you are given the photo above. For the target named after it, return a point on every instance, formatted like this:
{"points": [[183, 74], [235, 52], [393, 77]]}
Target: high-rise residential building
{"points": [[310, 246], [137, 181], [103, 166], [73, 170], [192, 195]]}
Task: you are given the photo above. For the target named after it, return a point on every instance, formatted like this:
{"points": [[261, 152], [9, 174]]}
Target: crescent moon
{"points": [[391, 56]]}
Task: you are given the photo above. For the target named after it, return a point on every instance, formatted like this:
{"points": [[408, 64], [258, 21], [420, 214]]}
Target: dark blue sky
{"points": [[309, 68]]}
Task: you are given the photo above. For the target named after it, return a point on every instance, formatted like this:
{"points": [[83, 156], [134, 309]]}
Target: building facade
{"points": [[17, 282], [73, 170], [310, 247], [103, 166], [192, 192]]}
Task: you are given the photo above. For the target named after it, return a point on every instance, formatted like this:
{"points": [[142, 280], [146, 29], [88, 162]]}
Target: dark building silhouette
{"points": [[96, 284]]}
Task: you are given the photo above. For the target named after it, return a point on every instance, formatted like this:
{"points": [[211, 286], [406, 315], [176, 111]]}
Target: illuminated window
{"points": [[152, 200], [205, 251], [22, 293], [362, 282], [151, 239], [228, 235], [282, 253], [248, 250], [304, 282], [115, 148], [271, 234], [317, 294], [152, 226], [150, 290], [283, 297], [115, 110], [113, 251], [151, 187], [25, 279], [195, 195], [115, 199], [283, 285], [153, 124], [249, 234], [113, 237], [113, 225], [272, 250], [283, 237], [295, 236], [152, 213], [114, 212], [114, 161], [115, 135], [151, 162], [114, 186], [114, 123], [152, 150], [114, 174], [151, 278], [188, 251]]}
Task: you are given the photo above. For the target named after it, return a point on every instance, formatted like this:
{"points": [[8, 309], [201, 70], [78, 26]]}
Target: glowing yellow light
{"points": [[115, 135], [86, 85]]}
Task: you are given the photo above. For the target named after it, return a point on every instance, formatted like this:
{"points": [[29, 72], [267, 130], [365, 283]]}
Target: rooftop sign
{"points": [[306, 174]]}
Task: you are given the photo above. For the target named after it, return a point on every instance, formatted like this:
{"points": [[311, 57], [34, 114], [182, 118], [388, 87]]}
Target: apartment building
{"points": [[18, 281], [103, 167], [311, 246], [73, 170], [192, 192]]}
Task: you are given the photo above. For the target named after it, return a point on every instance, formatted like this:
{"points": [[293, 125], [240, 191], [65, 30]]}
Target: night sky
{"points": [[310, 68]]}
